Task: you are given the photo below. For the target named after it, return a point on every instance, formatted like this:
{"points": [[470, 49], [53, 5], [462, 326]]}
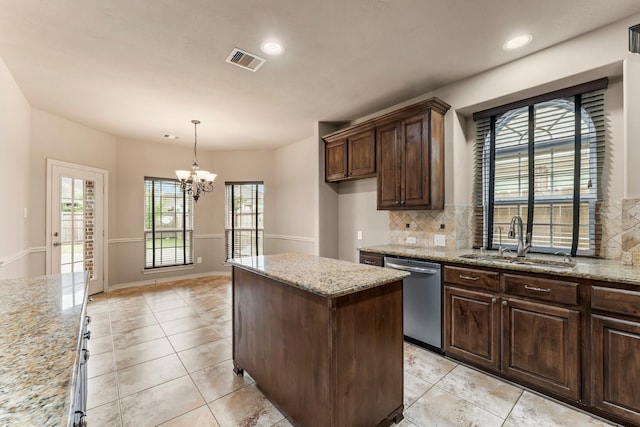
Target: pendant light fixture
{"points": [[195, 182]]}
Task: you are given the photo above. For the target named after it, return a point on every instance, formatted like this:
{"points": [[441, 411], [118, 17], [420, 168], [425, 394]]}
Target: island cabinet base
{"points": [[323, 361]]}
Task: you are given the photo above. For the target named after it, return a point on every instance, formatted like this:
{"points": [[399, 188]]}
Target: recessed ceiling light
{"points": [[272, 47], [517, 42], [169, 136]]}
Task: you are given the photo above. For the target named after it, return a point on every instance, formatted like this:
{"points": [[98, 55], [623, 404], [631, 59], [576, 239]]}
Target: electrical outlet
{"points": [[440, 240], [411, 240], [199, 260], [359, 235]]}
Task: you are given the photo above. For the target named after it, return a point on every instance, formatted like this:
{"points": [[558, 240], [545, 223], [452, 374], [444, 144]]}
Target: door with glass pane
{"points": [[75, 229]]}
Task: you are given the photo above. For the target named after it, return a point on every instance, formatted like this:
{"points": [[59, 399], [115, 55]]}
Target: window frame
{"points": [[487, 156], [230, 230], [186, 230]]}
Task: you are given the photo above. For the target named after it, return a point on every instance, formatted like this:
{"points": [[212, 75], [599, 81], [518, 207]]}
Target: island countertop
{"points": [[41, 321], [326, 277]]}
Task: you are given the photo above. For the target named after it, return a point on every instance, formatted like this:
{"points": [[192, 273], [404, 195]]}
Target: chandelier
{"points": [[195, 182]]}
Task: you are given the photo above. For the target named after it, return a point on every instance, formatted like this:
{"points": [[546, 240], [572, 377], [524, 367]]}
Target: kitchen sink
{"points": [[525, 261]]}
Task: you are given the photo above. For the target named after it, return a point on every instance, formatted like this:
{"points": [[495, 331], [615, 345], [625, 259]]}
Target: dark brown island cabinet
{"points": [[323, 360]]}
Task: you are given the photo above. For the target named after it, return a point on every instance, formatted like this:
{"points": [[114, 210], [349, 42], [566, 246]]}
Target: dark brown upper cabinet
{"points": [[351, 157], [404, 149]]}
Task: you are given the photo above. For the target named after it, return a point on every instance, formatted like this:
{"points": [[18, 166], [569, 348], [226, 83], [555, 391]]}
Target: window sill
{"points": [[167, 269]]}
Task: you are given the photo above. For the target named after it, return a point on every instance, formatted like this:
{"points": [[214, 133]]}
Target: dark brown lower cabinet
{"points": [[615, 367], [472, 326], [541, 346]]}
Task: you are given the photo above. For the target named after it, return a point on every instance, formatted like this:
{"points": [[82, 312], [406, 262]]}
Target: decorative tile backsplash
{"points": [[619, 227]]}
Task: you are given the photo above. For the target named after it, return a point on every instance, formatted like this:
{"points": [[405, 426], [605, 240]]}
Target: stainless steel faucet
{"points": [[523, 246]]}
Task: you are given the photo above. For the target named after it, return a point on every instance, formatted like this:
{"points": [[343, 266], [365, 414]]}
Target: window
{"points": [[168, 224], [542, 159], [244, 219]]}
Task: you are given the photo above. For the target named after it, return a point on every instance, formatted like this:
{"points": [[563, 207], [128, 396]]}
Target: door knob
{"points": [[56, 244]]}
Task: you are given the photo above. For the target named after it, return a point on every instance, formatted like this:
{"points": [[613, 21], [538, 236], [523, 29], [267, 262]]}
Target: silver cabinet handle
{"points": [[536, 289], [462, 276], [369, 262], [494, 300], [505, 303]]}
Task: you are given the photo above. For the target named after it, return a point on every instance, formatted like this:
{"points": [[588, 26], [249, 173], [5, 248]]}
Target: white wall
{"points": [[295, 198], [597, 54], [15, 116]]}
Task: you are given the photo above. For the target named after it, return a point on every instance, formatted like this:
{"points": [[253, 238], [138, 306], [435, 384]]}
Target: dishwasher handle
{"points": [[412, 269]]}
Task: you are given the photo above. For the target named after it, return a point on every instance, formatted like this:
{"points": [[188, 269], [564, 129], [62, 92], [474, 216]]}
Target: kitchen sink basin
{"points": [[524, 261]]}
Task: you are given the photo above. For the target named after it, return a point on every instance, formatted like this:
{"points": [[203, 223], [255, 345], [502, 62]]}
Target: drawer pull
{"points": [[462, 276], [536, 289], [369, 262]]}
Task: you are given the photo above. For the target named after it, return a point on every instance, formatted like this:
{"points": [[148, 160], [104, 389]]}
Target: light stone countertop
{"points": [[326, 277], [41, 320], [585, 268]]}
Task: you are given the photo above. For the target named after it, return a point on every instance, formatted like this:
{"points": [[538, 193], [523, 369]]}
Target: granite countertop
{"points": [[326, 277], [585, 268], [41, 320]]}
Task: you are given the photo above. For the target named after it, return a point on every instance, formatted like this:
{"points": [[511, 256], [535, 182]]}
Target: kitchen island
{"points": [[42, 361], [321, 337]]}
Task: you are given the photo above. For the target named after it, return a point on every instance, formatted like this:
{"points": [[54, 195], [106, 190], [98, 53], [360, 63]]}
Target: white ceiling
{"points": [[142, 68]]}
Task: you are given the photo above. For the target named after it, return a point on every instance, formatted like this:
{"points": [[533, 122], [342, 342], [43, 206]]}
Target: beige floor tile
{"points": [[497, 397], [183, 325], [131, 323], [107, 415], [536, 411], [128, 304], [99, 330], [202, 304], [137, 336], [130, 312], [426, 365], [101, 364], [437, 408], [102, 389], [168, 304], [219, 380], [142, 352], [216, 315], [196, 337], [283, 423], [200, 357], [174, 313], [94, 308], [245, 407], [405, 423], [151, 406], [149, 374], [97, 345], [201, 417], [100, 318], [414, 387]]}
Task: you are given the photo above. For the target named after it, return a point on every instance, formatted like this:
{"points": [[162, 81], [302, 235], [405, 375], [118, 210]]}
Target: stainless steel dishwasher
{"points": [[422, 301]]}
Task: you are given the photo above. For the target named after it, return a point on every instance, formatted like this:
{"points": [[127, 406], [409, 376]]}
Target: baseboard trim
{"points": [[295, 238], [165, 280]]}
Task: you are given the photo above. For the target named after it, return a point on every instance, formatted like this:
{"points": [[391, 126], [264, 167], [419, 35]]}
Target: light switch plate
{"points": [[440, 240], [199, 260], [359, 235]]}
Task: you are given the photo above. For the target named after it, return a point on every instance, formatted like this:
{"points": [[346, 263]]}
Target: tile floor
{"points": [[161, 355]]}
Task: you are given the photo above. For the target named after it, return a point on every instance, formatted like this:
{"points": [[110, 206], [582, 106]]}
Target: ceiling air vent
{"points": [[244, 59]]}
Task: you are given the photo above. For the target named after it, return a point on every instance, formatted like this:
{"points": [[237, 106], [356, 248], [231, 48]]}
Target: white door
{"points": [[75, 221]]}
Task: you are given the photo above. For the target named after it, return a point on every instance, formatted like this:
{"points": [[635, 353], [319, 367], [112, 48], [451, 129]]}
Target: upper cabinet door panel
{"points": [[361, 154], [388, 153], [336, 160], [415, 188]]}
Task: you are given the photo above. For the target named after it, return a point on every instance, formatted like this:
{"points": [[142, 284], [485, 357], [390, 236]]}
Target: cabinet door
{"points": [[615, 367], [472, 326], [541, 345], [389, 153], [361, 155], [335, 160], [415, 162]]}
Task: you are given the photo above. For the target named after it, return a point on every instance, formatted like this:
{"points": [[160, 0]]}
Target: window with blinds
{"points": [[542, 159], [168, 224], [244, 219]]}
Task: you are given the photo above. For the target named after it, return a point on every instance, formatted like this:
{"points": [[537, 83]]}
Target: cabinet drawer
{"points": [[542, 289], [372, 259], [471, 277], [616, 300]]}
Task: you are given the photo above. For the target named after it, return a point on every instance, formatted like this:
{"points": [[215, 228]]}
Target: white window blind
{"points": [[542, 159], [244, 219], [168, 224]]}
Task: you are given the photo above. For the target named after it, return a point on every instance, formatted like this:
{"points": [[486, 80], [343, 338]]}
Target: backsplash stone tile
{"points": [[630, 231], [424, 225]]}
